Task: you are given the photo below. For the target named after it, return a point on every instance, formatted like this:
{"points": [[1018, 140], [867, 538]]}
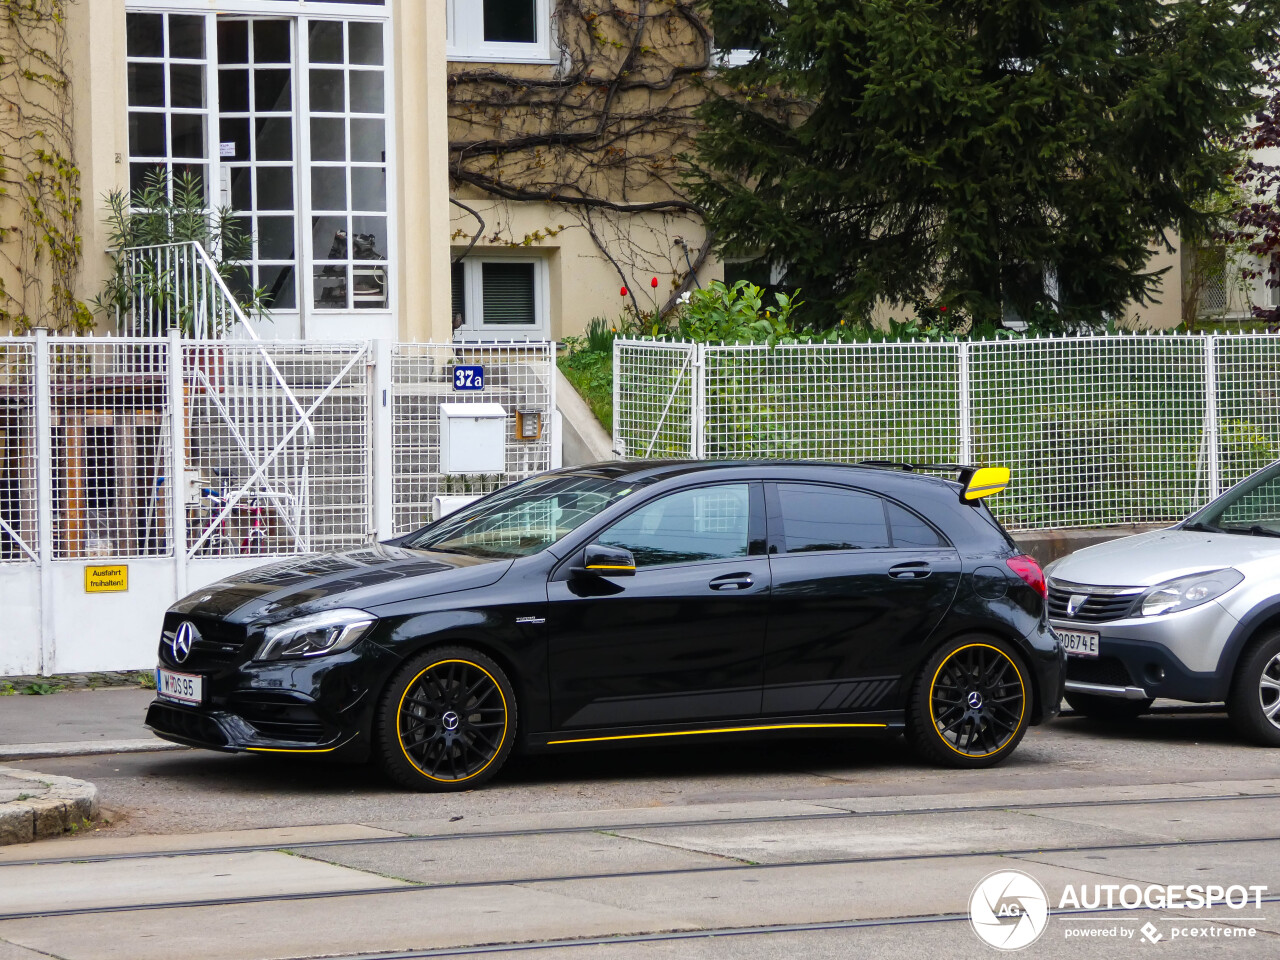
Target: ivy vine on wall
{"points": [[600, 135], [40, 244]]}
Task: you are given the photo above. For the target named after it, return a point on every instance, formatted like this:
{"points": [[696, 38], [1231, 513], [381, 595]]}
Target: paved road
{"points": [[814, 848]]}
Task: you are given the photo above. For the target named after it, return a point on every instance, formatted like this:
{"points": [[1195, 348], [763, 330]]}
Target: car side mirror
{"points": [[601, 561]]}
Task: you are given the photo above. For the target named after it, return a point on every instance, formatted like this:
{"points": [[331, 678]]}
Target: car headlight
{"points": [[1187, 592], [316, 635]]}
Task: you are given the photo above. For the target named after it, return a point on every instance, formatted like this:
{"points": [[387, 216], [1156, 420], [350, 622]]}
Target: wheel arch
{"points": [[1019, 644], [1260, 620]]}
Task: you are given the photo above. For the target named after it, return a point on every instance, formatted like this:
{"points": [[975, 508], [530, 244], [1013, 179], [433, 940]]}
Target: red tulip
{"points": [[624, 291], [654, 283], [944, 309]]}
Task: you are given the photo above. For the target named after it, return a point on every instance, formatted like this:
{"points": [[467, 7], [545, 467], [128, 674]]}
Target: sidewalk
{"points": [[77, 723]]}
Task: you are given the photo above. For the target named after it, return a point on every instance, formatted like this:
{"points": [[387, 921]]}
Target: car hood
{"points": [[1150, 558], [364, 578]]}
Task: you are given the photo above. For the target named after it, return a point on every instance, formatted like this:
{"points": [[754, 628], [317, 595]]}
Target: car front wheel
{"points": [[447, 721], [970, 704], [1254, 701]]}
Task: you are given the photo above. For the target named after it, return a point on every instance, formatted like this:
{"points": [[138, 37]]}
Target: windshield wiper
{"points": [[1201, 527], [1257, 530]]}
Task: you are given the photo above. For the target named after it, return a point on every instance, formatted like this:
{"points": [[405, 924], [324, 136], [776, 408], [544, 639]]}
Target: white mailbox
{"points": [[473, 438]]}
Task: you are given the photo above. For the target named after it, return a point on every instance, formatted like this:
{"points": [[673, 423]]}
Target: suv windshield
{"points": [[1252, 507], [522, 519]]}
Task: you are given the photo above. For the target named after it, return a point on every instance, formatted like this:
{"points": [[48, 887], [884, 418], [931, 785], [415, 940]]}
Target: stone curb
{"points": [[67, 802], [83, 748]]}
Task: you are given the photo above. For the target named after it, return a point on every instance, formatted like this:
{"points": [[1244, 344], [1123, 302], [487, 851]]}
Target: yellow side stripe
{"points": [[691, 733]]}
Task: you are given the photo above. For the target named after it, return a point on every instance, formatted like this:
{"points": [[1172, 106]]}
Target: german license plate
{"points": [[1078, 643], [182, 687]]}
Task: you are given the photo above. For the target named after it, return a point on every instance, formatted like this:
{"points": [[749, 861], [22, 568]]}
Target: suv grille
{"points": [[1096, 608]]}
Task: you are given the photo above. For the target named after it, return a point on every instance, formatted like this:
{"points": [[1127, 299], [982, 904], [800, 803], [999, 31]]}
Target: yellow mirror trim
{"points": [[986, 481], [601, 566]]}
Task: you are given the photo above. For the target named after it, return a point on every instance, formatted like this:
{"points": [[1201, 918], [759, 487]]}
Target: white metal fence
{"points": [[181, 461], [1098, 431]]}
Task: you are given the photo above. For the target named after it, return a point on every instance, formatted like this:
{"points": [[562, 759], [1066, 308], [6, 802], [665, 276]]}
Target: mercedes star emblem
{"points": [[182, 641]]}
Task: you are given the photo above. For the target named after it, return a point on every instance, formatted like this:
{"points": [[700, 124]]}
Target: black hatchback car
{"points": [[648, 602]]}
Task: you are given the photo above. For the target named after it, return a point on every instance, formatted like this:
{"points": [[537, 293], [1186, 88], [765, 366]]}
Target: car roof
{"points": [[654, 470]]}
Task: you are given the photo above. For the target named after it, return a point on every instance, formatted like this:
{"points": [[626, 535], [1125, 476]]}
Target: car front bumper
{"points": [[1174, 656]]}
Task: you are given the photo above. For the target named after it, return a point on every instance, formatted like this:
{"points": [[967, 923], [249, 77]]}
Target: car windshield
{"points": [[1251, 507], [522, 519]]}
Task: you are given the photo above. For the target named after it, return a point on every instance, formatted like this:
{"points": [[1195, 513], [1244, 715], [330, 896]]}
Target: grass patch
{"points": [[591, 373]]}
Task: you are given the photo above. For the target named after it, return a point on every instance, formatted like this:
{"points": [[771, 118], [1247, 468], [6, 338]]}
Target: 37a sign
{"points": [[468, 378]]}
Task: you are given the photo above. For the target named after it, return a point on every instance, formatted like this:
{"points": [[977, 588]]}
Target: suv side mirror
{"points": [[601, 561]]}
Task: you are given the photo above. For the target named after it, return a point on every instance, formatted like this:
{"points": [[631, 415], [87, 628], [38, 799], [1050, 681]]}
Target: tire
{"points": [[1254, 701], [1111, 709], [943, 724], [447, 721]]}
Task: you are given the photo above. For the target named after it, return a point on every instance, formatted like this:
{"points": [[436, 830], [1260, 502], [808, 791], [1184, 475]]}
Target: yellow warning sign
{"points": [[112, 579]]}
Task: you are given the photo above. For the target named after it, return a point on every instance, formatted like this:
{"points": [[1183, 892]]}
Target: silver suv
{"points": [[1188, 613]]}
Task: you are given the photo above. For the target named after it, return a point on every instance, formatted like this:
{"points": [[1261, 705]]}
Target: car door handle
{"points": [[732, 581], [914, 570]]}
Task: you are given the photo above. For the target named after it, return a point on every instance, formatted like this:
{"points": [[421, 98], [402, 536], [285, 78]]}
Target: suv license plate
{"points": [[182, 687], [1079, 643]]}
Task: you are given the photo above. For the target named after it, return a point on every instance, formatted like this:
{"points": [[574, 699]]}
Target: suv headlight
{"points": [[316, 635], [1187, 592]]}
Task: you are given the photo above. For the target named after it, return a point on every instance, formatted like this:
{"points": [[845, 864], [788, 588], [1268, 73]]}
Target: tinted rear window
{"points": [[910, 530], [817, 517]]}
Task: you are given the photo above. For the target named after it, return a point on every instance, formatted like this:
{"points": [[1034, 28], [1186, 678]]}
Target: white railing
{"points": [[1097, 430], [177, 286]]}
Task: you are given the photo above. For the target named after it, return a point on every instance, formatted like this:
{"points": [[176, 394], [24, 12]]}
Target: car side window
{"points": [[709, 523], [909, 530], [817, 517]]}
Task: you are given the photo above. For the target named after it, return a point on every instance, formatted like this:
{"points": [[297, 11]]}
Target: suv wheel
{"points": [[447, 721], [1254, 701], [1113, 709], [969, 706]]}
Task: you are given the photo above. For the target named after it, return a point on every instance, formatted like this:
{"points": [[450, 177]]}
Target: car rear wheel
{"points": [[969, 706], [447, 721], [1112, 709], [1254, 701]]}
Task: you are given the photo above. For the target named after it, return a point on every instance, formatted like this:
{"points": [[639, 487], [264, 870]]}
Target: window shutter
{"points": [[509, 294], [459, 284]]}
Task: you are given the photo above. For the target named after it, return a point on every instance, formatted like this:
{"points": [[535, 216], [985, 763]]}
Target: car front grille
{"points": [[1107, 671], [279, 716], [1099, 605], [220, 643]]}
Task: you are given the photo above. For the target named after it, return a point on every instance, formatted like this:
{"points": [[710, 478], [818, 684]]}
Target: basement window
{"points": [[502, 298], [502, 31]]}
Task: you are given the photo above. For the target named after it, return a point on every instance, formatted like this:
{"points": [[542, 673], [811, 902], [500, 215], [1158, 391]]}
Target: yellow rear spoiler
{"points": [[984, 482]]}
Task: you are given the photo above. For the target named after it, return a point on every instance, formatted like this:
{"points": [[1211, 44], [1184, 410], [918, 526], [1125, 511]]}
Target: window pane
{"points": [[510, 21], [235, 130], [328, 139], [280, 285], [326, 42], [271, 41], [275, 238], [366, 42], [194, 173], [331, 287], [146, 135], [369, 286], [828, 518], [366, 91], [910, 530], [275, 188], [233, 91], [458, 276], [139, 174], [272, 92], [326, 91], [188, 131], [367, 140], [329, 238], [146, 85], [145, 34], [368, 188], [369, 238], [694, 525], [233, 41], [508, 296], [186, 85], [328, 188], [275, 138], [241, 189], [186, 37]]}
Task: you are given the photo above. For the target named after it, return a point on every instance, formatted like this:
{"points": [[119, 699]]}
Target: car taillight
{"points": [[1027, 568]]}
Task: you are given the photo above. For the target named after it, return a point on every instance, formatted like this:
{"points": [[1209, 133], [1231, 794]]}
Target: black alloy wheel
{"points": [[970, 703], [447, 721]]}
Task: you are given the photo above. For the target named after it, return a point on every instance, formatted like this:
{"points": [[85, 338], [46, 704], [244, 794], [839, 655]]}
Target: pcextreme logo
{"points": [[1009, 910]]}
